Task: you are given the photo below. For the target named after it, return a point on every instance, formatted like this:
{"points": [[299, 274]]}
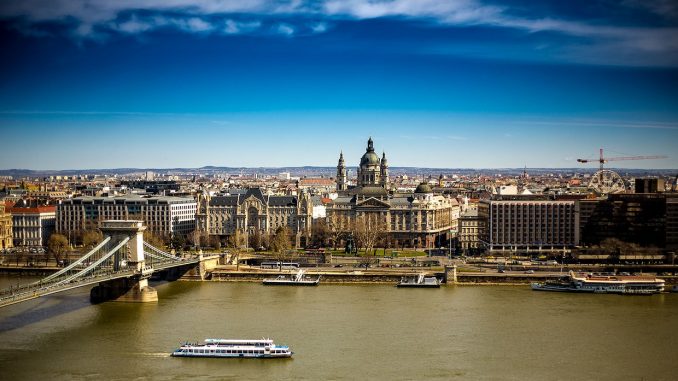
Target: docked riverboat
{"points": [[299, 279], [604, 284], [419, 281], [221, 348]]}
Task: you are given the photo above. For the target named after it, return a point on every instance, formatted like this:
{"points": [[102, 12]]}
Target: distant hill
{"points": [[310, 171]]}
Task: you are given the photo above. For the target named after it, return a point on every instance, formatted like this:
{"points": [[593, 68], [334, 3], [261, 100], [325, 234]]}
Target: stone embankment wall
{"points": [[227, 276]]}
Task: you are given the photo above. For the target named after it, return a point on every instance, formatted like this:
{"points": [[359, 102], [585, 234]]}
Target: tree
{"points": [[57, 245], [91, 238], [280, 244], [154, 239], [177, 242], [215, 242], [236, 240], [319, 233], [334, 229], [198, 238], [255, 239], [368, 230]]}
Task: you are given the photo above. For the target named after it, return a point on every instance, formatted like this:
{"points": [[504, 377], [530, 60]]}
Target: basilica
{"points": [[416, 220]]}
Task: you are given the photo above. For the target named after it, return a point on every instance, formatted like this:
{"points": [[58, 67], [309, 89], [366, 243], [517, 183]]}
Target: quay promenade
{"points": [[467, 274]]}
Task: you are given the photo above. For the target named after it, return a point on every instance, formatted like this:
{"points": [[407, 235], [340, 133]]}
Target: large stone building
{"points": [[522, 224], [420, 219], [163, 215], [469, 223], [252, 211], [5, 228], [32, 226]]}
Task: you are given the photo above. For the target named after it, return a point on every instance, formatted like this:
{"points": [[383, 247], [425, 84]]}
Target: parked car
{"points": [[529, 272]]}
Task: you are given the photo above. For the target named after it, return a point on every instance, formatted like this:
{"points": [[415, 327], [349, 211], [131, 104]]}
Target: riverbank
{"points": [[346, 276], [390, 276]]}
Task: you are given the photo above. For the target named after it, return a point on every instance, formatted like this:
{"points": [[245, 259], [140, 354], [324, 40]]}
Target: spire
{"points": [[370, 144], [341, 158], [383, 158]]}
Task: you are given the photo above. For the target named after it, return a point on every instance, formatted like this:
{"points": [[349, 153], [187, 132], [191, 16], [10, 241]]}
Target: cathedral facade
{"points": [[420, 219]]}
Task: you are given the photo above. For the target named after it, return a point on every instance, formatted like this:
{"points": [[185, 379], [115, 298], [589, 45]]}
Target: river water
{"points": [[345, 332]]}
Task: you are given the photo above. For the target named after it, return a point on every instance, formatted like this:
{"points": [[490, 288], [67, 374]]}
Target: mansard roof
{"points": [[282, 200], [224, 200], [239, 198], [256, 192]]}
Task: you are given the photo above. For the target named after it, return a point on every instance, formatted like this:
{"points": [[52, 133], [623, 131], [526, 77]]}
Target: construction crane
{"points": [[604, 160], [606, 181]]}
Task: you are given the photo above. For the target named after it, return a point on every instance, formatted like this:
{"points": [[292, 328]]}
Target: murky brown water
{"points": [[345, 333]]}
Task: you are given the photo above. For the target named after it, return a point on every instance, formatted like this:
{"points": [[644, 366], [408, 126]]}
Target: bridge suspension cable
{"points": [[95, 264], [76, 263]]}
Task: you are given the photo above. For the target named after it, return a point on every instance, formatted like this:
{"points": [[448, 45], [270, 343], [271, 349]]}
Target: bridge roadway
{"points": [[36, 290]]}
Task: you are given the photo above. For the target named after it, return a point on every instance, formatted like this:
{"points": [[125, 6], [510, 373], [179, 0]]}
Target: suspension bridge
{"points": [[120, 266]]}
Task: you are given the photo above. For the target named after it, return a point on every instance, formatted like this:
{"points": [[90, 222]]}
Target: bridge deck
{"points": [[37, 289]]}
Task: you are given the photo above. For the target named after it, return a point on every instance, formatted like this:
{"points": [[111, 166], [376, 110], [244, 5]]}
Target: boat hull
{"points": [[403, 285], [555, 288], [290, 283], [234, 356]]}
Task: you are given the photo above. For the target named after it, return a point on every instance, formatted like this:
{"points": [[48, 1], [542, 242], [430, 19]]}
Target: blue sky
{"points": [[470, 84]]}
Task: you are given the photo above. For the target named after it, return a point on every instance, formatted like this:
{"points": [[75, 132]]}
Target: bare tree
{"points": [[334, 229], [280, 244], [368, 230], [320, 232], [154, 239], [57, 245], [91, 238], [236, 240], [234, 243], [215, 242]]}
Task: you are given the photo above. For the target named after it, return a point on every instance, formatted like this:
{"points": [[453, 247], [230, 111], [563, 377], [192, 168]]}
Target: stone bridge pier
{"points": [[134, 289]]}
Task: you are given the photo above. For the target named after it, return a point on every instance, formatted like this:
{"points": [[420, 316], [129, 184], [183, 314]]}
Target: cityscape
{"points": [[428, 168]]}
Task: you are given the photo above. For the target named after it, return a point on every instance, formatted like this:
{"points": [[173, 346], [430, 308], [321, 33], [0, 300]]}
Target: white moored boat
{"points": [[222, 348], [604, 284], [299, 279], [419, 281]]}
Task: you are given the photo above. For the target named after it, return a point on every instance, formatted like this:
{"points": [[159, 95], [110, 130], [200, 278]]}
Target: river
{"points": [[345, 332]]}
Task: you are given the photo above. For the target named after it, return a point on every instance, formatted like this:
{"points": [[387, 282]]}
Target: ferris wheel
{"points": [[606, 181]]}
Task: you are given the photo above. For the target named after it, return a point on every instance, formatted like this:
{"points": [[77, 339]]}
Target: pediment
{"points": [[373, 203]]}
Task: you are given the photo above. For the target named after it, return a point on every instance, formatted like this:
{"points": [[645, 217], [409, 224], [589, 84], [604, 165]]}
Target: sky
{"points": [[88, 84]]}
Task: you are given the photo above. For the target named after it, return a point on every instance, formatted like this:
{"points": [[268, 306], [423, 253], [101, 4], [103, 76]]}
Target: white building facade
{"points": [[33, 226], [163, 215]]}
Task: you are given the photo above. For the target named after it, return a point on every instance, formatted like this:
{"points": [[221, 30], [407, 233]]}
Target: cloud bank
{"points": [[650, 40]]}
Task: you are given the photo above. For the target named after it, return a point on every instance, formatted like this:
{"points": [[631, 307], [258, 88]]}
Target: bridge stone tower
{"points": [[136, 288]]}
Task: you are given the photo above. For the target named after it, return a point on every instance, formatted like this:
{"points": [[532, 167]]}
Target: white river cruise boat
{"points": [[222, 348], [604, 284]]}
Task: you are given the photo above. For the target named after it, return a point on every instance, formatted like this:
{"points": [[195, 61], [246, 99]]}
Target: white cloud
{"points": [[284, 29], [237, 27], [133, 26], [195, 24], [319, 27]]}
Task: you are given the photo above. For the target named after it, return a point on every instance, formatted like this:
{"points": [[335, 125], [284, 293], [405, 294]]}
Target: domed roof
{"points": [[423, 188], [369, 158]]}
